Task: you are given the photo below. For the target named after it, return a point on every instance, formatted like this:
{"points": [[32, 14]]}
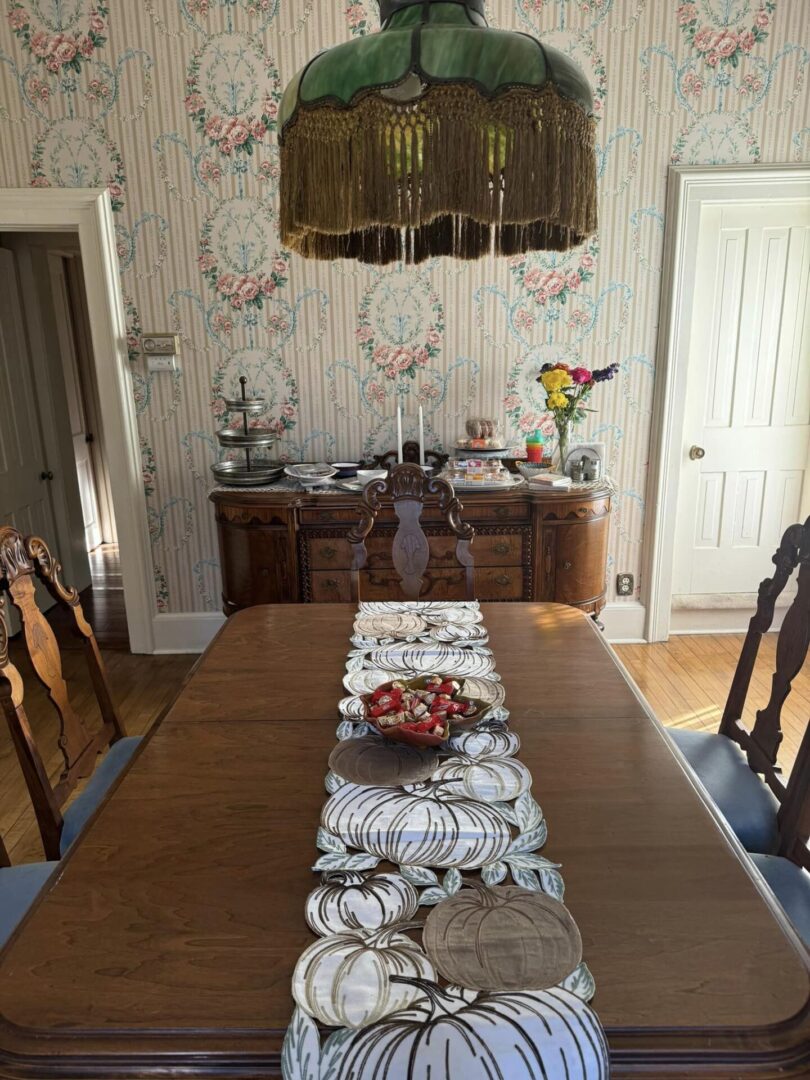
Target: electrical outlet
{"points": [[625, 584]]}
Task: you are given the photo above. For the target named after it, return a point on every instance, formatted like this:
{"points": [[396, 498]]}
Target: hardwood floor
{"points": [[102, 602], [686, 681]]}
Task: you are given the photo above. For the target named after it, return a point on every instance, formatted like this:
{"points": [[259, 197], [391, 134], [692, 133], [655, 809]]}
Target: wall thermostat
{"points": [[160, 344], [160, 351]]}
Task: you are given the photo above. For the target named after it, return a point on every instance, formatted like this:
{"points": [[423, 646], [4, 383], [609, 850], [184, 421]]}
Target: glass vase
{"points": [[563, 434]]}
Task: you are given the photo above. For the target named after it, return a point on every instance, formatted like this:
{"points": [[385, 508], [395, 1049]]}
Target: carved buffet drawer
{"points": [[491, 583], [288, 547]]}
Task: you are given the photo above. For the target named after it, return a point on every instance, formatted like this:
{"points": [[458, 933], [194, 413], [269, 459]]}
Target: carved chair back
{"points": [[794, 813], [761, 744], [21, 560], [407, 487]]}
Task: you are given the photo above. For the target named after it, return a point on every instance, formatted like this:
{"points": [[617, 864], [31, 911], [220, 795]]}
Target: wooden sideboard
{"points": [[282, 546]]}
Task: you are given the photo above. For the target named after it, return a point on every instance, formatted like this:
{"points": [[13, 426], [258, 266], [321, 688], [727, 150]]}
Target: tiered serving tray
{"points": [[250, 472]]}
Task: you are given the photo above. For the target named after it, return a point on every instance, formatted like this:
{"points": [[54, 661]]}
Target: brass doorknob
{"points": [[696, 453]]}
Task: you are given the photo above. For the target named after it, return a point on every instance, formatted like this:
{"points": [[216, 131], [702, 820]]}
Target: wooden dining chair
{"points": [[21, 560], [787, 872], [407, 487], [19, 888], [733, 763]]}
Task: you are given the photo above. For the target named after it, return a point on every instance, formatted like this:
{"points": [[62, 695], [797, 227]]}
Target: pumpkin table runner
{"points": [[443, 951]]}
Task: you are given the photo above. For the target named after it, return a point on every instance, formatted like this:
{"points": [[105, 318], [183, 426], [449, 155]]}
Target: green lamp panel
{"points": [[493, 59], [377, 60]]}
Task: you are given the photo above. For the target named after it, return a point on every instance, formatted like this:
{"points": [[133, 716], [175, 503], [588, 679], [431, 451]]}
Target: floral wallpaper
{"points": [[172, 105]]}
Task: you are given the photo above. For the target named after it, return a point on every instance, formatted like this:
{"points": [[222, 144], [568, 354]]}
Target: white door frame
{"points": [[89, 212], [688, 189]]}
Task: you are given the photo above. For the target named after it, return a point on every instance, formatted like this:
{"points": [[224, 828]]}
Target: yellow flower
{"points": [[557, 400], [556, 379]]}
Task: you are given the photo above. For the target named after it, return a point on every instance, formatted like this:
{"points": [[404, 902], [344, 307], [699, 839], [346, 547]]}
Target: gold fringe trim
{"points": [[385, 181]]}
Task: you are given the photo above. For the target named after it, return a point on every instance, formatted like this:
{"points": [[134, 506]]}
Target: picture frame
{"points": [[595, 451]]}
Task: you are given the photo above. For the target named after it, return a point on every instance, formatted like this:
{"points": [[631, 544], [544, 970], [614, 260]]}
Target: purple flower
{"points": [[603, 374]]}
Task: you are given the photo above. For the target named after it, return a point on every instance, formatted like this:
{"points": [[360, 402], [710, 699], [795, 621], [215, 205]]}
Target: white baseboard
{"points": [[186, 632], [718, 620], [624, 622]]}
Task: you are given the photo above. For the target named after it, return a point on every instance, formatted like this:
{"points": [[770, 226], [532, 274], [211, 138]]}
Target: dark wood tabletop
{"points": [[167, 940]]}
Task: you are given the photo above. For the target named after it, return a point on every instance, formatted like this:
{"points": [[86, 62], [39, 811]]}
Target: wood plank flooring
{"points": [[685, 680]]}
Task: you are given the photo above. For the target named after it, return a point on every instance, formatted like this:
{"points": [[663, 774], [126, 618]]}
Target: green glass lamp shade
{"points": [[437, 136]]}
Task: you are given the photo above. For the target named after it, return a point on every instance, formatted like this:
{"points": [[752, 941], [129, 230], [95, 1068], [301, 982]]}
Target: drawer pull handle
{"points": [[325, 515], [503, 579], [501, 511], [567, 565], [330, 583], [329, 552], [501, 549]]}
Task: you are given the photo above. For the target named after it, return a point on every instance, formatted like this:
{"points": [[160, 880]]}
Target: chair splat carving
{"points": [[761, 744], [407, 486], [21, 560]]}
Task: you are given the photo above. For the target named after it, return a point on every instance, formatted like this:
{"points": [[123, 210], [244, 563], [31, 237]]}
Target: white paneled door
{"points": [[25, 498], [746, 448]]}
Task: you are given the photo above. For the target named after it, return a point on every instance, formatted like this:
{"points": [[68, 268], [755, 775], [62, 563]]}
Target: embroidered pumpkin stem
{"points": [[385, 934], [342, 877], [431, 990], [489, 896]]}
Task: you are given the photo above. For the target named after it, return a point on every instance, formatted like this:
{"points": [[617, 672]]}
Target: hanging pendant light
{"points": [[437, 136]]}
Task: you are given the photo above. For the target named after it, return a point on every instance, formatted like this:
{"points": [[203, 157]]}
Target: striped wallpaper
{"points": [[159, 99]]}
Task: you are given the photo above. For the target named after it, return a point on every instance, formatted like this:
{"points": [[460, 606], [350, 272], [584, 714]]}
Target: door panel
{"points": [[75, 403], [747, 396], [24, 496]]}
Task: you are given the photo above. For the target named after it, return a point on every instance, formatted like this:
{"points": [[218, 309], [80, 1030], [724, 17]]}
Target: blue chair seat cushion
{"points": [[19, 888], [791, 887], [107, 772], [744, 800]]}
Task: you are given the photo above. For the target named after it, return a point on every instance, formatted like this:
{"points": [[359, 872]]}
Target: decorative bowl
{"points": [[311, 475], [529, 469], [424, 738], [345, 468]]}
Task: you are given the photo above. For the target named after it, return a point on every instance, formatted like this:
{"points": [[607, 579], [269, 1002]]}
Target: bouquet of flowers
{"points": [[567, 391]]}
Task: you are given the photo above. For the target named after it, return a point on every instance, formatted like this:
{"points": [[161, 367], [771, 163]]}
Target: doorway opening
{"points": [[59, 486]]}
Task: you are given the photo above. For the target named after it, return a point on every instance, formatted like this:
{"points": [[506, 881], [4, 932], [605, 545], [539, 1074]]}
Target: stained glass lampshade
{"points": [[437, 136]]}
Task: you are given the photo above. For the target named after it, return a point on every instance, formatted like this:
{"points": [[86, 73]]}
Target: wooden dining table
{"points": [[165, 942]]}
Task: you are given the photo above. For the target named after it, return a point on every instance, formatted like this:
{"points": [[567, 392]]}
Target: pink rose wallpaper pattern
{"points": [[172, 105]]}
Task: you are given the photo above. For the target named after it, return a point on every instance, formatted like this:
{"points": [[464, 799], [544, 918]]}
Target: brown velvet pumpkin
{"points": [[370, 760], [502, 938]]}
